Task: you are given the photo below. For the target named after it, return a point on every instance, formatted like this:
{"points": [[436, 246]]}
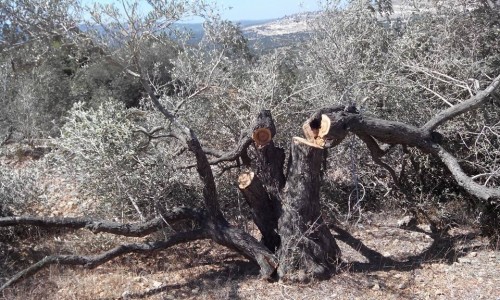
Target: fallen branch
{"points": [[94, 261], [474, 188], [339, 122], [96, 226]]}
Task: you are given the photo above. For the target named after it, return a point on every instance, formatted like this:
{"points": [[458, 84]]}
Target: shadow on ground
{"points": [[443, 248]]}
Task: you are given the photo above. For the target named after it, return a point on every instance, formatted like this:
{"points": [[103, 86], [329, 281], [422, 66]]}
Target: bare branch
{"points": [[94, 261], [10, 130], [391, 132], [377, 153], [243, 144], [463, 107], [474, 188], [96, 226]]}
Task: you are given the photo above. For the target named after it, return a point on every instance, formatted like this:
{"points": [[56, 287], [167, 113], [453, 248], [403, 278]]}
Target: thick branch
{"points": [[377, 154], [264, 210], [189, 138], [94, 261], [96, 226], [462, 107], [247, 245], [391, 132], [474, 188]]}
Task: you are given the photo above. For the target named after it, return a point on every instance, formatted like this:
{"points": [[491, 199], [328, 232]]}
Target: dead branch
{"points": [[7, 137], [392, 133], [474, 188], [96, 226], [377, 153], [470, 104], [94, 261]]}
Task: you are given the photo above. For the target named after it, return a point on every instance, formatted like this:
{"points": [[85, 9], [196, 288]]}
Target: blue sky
{"points": [[264, 9], [236, 10]]}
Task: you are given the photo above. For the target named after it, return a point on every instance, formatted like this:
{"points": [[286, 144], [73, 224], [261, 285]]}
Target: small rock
{"points": [[195, 290], [464, 260], [473, 254], [425, 227], [402, 286], [376, 287], [439, 292], [302, 276], [407, 221]]}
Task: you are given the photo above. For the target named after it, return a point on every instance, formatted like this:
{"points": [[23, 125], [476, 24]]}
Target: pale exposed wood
{"points": [[299, 140], [245, 179], [309, 133], [325, 126], [262, 136]]}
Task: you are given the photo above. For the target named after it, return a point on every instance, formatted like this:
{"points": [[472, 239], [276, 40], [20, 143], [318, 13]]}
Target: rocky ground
{"points": [[381, 260], [401, 264]]}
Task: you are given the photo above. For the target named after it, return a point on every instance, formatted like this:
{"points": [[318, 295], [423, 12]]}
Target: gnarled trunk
{"points": [[308, 248]]}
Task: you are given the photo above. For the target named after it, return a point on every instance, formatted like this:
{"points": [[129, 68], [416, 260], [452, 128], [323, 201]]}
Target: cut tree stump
{"points": [[308, 249], [263, 211]]}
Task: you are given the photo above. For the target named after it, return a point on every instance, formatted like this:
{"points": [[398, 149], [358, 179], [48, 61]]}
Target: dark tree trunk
{"points": [[264, 210], [262, 186], [308, 248]]}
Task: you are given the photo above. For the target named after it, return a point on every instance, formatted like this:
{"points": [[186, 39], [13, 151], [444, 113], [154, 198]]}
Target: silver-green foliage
{"points": [[100, 148], [18, 188]]}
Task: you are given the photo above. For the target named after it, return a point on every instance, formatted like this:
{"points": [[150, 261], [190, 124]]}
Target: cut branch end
{"points": [[262, 136], [316, 129], [245, 179], [298, 140]]}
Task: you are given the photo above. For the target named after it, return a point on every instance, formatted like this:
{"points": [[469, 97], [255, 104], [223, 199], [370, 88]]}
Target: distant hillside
{"points": [[295, 24]]}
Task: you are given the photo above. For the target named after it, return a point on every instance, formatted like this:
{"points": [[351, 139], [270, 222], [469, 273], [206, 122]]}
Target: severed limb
{"points": [[98, 226], [264, 213]]}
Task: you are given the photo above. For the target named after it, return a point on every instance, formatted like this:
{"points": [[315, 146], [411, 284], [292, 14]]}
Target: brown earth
{"points": [[396, 263], [458, 266]]}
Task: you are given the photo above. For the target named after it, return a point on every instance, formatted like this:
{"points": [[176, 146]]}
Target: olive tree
{"points": [[282, 191]]}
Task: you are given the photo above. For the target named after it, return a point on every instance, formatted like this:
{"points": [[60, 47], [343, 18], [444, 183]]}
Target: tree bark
{"points": [[262, 186], [263, 209], [308, 248]]}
